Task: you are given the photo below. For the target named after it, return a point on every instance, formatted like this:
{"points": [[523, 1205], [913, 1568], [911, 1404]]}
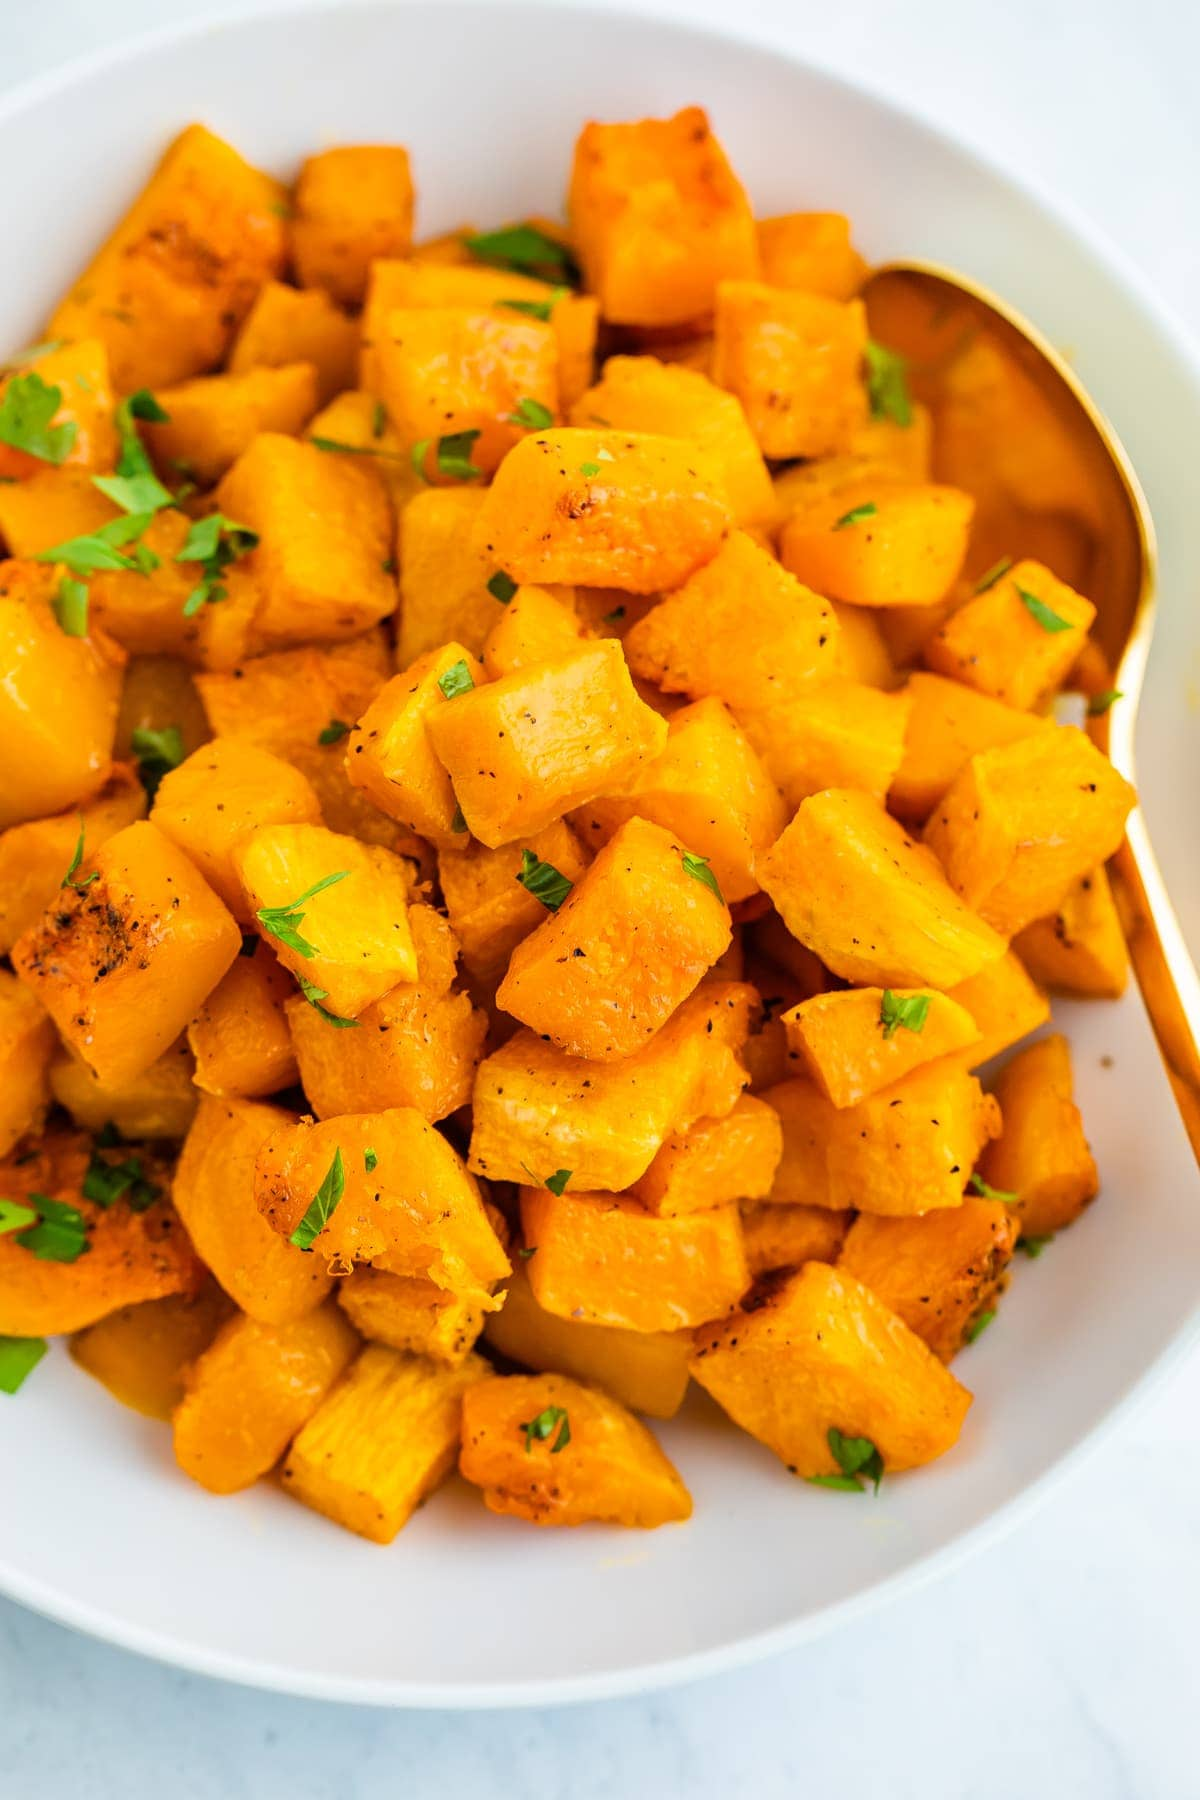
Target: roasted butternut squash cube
{"points": [[811, 251], [324, 533], [350, 937], [35, 856], [939, 1274], [159, 691], [27, 1044], [862, 650], [539, 1111], [836, 734], [714, 1161], [907, 450], [857, 1040], [414, 1211], [709, 788], [382, 1441], [553, 1451], [289, 325], [1006, 1005], [600, 992], [640, 393], [620, 509], [389, 755], [907, 1149], [794, 360], [444, 594], [158, 1103], [58, 701], [488, 908], [212, 420], [350, 205], [876, 908], [357, 424], [85, 400], [645, 1370], [250, 1392], [823, 1354], [217, 796], [1080, 948], [786, 1237], [1017, 640], [166, 291], [50, 506], [1042, 1156], [947, 725], [141, 1353], [536, 626], [122, 966], [880, 543], [240, 1037], [1021, 823], [411, 1314], [658, 218], [523, 751]]}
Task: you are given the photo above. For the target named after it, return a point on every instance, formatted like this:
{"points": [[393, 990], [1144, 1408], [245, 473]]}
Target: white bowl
{"points": [[100, 1530]]}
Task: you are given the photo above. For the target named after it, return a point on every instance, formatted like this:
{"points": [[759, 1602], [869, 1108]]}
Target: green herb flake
{"points": [[70, 607], [527, 1252], [536, 309], [324, 1204], [60, 1234], [283, 922], [991, 576], [68, 880], [15, 1216], [135, 488], [338, 447], [458, 824], [855, 515], [27, 407], [334, 732], [105, 1182], [378, 419], [214, 542], [158, 751], [315, 995], [909, 1011], [856, 1457], [19, 1356], [549, 1420], [887, 385], [543, 881], [502, 587], [1099, 704], [99, 552], [1033, 1246], [532, 415], [698, 868], [979, 1325], [523, 247], [990, 1193], [589, 468], [457, 679], [556, 1183], [1046, 617], [370, 1161]]}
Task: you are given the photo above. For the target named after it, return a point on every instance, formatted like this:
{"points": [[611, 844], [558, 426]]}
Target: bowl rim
{"points": [[159, 1646]]}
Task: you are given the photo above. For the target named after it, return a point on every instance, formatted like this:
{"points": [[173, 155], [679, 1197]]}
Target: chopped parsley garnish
{"points": [[527, 1251], [550, 1419], [991, 576], [543, 881], [60, 1234], [105, 1183], [370, 1161], [15, 1216], [979, 1325], [458, 823], [887, 384], [158, 752], [855, 515], [457, 679], [1033, 1246], [315, 995], [135, 488], [283, 922], [990, 1193], [589, 468], [98, 552], [856, 1457], [70, 607], [338, 447], [532, 415], [324, 1204], [536, 309], [213, 542], [28, 405], [378, 419], [909, 1011], [1100, 703], [502, 587], [452, 455], [524, 247], [1046, 617], [334, 732], [554, 1184], [19, 1356], [697, 867], [68, 880]]}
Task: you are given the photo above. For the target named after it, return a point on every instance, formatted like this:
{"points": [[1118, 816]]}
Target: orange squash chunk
{"points": [[947, 725], [389, 755], [27, 1044], [411, 1314], [80, 373], [652, 514], [862, 651], [239, 1037], [824, 1354], [249, 1393], [606, 1259], [212, 420], [786, 1237], [714, 1161], [880, 543], [838, 734], [940, 1274], [142, 1353], [595, 1461], [658, 218], [874, 906], [1080, 948], [794, 360], [600, 993], [158, 1103], [350, 205], [122, 966], [811, 251], [854, 1041], [907, 1149], [1020, 824], [35, 856], [489, 910], [444, 596], [1006, 1005], [269, 1278], [1042, 1156], [1017, 640], [290, 325], [523, 751], [536, 626]]}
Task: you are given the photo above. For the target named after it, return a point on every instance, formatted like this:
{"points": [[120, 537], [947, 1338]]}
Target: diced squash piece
{"points": [[80, 373], [1042, 1155], [411, 1314], [947, 725], [786, 1237], [35, 856], [141, 1353], [217, 796], [523, 751], [905, 450], [1017, 640], [537, 1109], [604, 971], [58, 700], [240, 1037], [250, 1392], [415, 1211], [553, 1451], [640, 393], [658, 218], [352, 938], [212, 420], [356, 424], [1006, 1005], [1080, 948], [645, 1370], [383, 1440], [389, 755], [27, 1044], [621, 509], [794, 360], [836, 734], [714, 1161], [324, 530], [160, 691], [811, 251], [709, 788], [50, 506], [880, 543], [158, 1103], [862, 651], [907, 1149], [823, 1354], [855, 1041], [535, 627], [168, 288], [940, 1273], [874, 906], [122, 966], [1022, 822], [488, 908], [444, 594], [290, 325], [269, 1278], [350, 205]]}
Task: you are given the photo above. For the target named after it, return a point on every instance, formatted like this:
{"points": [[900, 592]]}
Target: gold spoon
{"points": [[1051, 480]]}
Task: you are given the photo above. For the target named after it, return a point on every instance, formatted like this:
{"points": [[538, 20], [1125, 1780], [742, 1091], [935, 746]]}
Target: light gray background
{"points": [[1062, 1663]]}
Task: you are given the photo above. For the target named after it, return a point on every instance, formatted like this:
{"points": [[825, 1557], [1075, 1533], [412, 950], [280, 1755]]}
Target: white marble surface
{"points": [[1063, 1662]]}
